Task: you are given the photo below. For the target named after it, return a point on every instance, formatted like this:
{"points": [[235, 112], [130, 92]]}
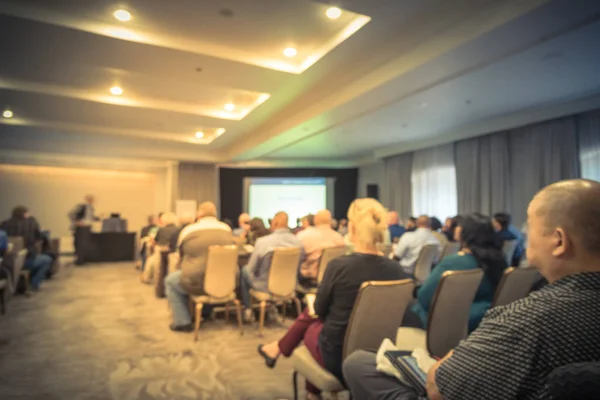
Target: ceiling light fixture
{"points": [[122, 15], [7, 114], [229, 107], [333, 13], [290, 52], [116, 90], [199, 135]]}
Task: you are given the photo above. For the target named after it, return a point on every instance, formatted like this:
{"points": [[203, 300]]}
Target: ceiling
{"points": [[210, 81]]}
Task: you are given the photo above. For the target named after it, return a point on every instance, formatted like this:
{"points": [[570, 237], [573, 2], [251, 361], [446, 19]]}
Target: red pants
{"points": [[305, 329]]}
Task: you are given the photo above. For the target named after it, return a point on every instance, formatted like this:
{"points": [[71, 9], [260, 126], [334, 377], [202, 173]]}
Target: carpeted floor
{"points": [[97, 333]]}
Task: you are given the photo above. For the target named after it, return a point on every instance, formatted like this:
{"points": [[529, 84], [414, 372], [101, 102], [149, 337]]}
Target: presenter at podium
{"points": [[82, 217]]}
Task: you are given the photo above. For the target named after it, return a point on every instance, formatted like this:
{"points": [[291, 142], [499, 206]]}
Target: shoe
{"points": [[248, 315], [270, 362], [182, 328]]}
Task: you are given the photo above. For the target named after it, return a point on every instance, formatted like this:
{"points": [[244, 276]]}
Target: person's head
{"points": [[257, 225], [89, 199], [436, 224], [308, 221], [152, 219], [456, 227], [393, 218], [447, 224], [207, 209], [563, 222], [477, 236], [279, 221], [322, 218], [367, 223], [244, 221], [334, 223], [411, 223], [343, 223], [501, 221], [20, 212], [423, 222], [186, 218], [168, 218]]}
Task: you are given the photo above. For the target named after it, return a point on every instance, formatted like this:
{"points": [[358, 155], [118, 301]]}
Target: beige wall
{"points": [[51, 192]]}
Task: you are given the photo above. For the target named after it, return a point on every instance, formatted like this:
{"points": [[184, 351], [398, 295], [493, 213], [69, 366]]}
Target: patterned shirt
{"points": [[516, 346]]}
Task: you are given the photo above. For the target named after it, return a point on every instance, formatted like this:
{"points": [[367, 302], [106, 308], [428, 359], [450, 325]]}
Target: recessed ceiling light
{"points": [[116, 90], [290, 52], [333, 13], [7, 114], [229, 107], [199, 135], [220, 131], [122, 15]]}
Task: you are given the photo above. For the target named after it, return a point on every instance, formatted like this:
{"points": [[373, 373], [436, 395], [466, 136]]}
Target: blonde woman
{"points": [[160, 242], [323, 335]]}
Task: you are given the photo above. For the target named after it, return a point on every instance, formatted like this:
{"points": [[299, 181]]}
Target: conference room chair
{"points": [[16, 242], [424, 264], [327, 255], [219, 284], [18, 272], [448, 321], [450, 248], [377, 313], [281, 287], [509, 248], [515, 284]]}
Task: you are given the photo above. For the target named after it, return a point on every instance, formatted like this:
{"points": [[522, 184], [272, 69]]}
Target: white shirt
{"points": [[410, 245], [203, 223]]}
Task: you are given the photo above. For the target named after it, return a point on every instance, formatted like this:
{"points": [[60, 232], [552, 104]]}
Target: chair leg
{"points": [[227, 312], [261, 322], [238, 311], [298, 306], [295, 382], [198, 318]]}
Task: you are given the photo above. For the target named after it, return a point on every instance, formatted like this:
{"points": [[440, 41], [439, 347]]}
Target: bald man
{"points": [[516, 346], [255, 275], [410, 245], [314, 241]]}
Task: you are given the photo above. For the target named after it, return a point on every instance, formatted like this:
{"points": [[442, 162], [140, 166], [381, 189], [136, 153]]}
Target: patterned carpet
{"points": [[97, 333]]}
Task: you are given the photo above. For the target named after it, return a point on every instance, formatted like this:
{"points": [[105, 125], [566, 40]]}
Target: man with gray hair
{"points": [[193, 243], [517, 346]]}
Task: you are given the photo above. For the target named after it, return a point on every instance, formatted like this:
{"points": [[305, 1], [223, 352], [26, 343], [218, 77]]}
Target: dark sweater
{"points": [[164, 234], [27, 228], [337, 295]]}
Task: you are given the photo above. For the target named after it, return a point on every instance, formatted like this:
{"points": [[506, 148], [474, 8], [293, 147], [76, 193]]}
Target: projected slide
{"points": [[296, 196]]}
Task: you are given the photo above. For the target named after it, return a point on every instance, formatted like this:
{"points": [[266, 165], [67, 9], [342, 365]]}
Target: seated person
{"points": [[410, 245], [506, 231], [323, 335], [343, 227], [395, 227], [244, 225], [480, 249], [255, 275], [193, 244], [411, 224], [516, 346], [257, 230], [3, 243], [436, 230], [314, 241], [184, 220], [160, 243], [21, 224], [306, 222]]}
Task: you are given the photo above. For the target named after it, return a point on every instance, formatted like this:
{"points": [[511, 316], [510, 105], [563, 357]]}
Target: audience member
{"points": [[410, 244], [82, 217], [507, 231], [145, 234], [449, 228], [395, 226], [306, 222], [343, 227], [479, 249], [184, 220], [161, 242], [314, 241], [243, 225], [516, 346], [255, 275], [257, 230], [411, 224], [436, 230], [193, 243], [21, 224], [323, 334]]}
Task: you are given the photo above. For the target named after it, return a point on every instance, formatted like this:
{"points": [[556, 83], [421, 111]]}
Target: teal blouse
{"points": [[483, 297]]}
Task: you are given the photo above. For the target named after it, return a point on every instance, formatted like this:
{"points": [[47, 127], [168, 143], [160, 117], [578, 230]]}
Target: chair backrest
{"points": [[378, 312], [448, 321], [18, 243], [450, 249], [17, 267], [221, 268], [329, 253], [283, 272], [427, 257], [516, 283], [509, 248]]}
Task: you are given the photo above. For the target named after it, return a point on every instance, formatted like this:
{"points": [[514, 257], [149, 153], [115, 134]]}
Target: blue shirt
{"points": [[259, 264], [520, 250], [483, 297], [396, 231]]}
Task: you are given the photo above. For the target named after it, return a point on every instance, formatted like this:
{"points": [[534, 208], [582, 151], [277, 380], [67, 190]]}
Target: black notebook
{"points": [[408, 367]]}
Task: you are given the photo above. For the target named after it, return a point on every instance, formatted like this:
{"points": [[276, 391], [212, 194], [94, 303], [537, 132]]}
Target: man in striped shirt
{"points": [[516, 346]]}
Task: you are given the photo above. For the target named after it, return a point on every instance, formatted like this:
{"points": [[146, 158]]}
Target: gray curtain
{"points": [[483, 174], [198, 182], [588, 130], [541, 154], [397, 187]]}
